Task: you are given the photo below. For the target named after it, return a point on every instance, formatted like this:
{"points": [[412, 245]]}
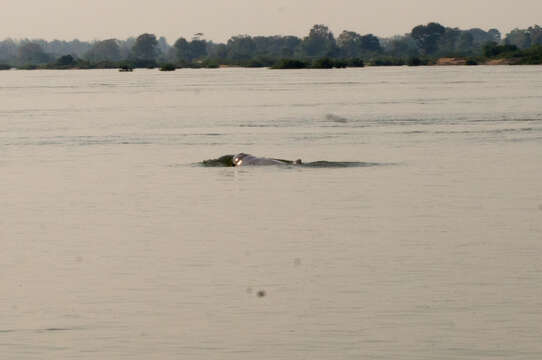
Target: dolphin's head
{"points": [[238, 159]]}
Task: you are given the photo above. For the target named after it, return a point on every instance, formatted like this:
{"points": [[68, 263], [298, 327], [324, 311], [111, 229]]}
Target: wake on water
{"points": [[228, 161]]}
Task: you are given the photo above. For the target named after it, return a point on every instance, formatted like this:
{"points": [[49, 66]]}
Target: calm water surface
{"points": [[116, 244]]}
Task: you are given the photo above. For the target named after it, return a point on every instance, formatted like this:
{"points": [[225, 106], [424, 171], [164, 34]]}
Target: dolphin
{"points": [[243, 159]]}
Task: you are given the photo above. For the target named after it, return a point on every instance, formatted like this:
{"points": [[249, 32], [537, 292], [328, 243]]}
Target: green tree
{"points": [[492, 49], [495, 35], [8, 51], [535, 32], [465, 43], [198, 48], [287, 45], [217, 51], [519, 38], [106, 50], [352, 44], [163, 46], [402, 46], [66, 60], [275, 46], [370, 43], [427, 36], [447, 44], [349, 43], [188, 51], [32, 54], [126, 47], [241, 48], [319, 43], [146, 47], [182, 50]]}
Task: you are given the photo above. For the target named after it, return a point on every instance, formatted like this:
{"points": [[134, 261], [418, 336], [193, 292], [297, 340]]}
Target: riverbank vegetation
{"points": [[430, 44]]}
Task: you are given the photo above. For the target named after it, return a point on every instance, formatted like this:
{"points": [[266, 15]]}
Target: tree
{"points": [[519, 38], [146, 47], [427, 36], [163, 46], [106, 50], [182, 50], [198, 48], [495, 35], [400, 46], [188, 51], [349, 43], [447, 44], [370, 43], [481, 37], [240, 47], [319, 43], [66, 60], [217, 51], [126, 47], [465, 42], [32, 53], [275, 46], [8, 51], [535, 32], [352, 44], [288, 45], [60, 47], [492, 49]]}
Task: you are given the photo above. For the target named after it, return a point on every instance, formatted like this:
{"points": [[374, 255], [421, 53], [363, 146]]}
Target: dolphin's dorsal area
{"points": [[243, 159]]}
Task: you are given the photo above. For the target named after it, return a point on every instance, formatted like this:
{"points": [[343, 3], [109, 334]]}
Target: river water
{"points": [[118, 244]]}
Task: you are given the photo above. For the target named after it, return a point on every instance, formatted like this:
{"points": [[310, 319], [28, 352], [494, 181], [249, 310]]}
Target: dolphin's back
{"points": [[253, 160]]}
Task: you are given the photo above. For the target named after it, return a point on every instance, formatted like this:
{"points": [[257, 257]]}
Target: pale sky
{"points": [[219, 20]]}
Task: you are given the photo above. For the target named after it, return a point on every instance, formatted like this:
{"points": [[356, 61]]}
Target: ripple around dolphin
{"points": [[227, 161]]}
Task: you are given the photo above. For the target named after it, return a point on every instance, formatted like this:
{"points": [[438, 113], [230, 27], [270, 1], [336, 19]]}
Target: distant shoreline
{"points": [[440, 62], [429, 44]]}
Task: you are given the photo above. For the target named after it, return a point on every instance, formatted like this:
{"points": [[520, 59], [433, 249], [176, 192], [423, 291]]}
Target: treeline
{"points": [[320, 48]]}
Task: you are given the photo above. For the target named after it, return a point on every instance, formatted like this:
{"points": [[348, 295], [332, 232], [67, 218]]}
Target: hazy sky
{"points": [[219, 20]]}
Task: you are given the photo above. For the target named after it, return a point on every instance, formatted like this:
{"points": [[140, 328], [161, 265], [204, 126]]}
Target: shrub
{"points": [[126, 67], [28, 67], [355, 62], [387, 62], [532, 56], [341, 64], [210, 64], [66, 60], [290, 64], [143, 63], [167, 67], [491, 49], [414, 61], [323, 63]]}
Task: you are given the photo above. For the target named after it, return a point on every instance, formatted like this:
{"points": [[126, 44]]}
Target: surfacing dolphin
{"points": [[243, 159]]}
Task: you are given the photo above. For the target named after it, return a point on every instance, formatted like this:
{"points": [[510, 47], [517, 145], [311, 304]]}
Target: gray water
{"points": [[118, 244]]}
